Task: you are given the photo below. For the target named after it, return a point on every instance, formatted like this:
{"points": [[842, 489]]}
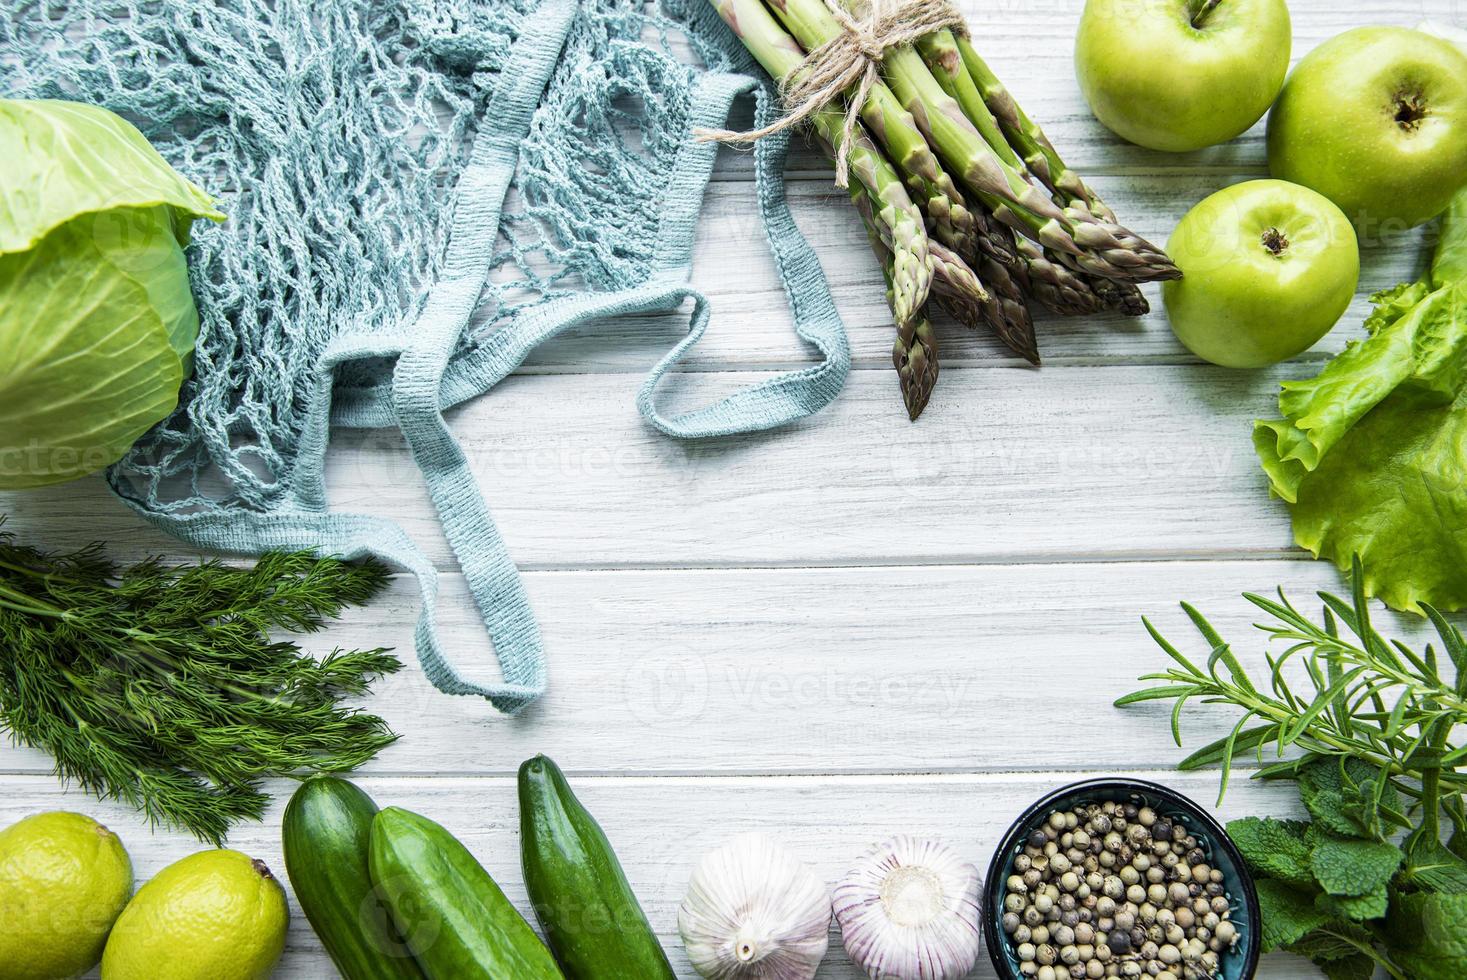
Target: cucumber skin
{"points": [[437, 891], [324, 835], [591, 918]]}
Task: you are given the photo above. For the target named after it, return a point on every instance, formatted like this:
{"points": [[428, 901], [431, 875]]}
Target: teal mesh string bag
{"points": [[419, 192]]}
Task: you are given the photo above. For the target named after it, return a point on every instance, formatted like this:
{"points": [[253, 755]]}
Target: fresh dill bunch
{"points": [[164, 686], [1370, 705]]}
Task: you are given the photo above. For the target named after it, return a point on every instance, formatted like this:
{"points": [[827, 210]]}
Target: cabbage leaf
{"points": [[1371, 454], [88, 368], [63, 159]]}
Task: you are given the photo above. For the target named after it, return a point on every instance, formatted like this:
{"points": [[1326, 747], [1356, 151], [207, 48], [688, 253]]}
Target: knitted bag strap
{"points": [[488, 570]]}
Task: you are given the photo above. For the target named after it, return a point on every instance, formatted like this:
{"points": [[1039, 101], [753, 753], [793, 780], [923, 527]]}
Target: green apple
{"points": [[1179, 75], [1376, 120], [1268, 268]]}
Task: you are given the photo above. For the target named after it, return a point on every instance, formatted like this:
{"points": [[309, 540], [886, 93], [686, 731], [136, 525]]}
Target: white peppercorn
{"points": [[1116, 890]]}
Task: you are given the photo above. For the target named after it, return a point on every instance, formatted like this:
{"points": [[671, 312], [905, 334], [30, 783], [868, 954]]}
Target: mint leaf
{"points": [[1432, 867], [1288, 914], [1340, 793], [1274, 848], [1351, 866], [1428, 937], [1355, 967], [1336, 941], [1356, 908]]}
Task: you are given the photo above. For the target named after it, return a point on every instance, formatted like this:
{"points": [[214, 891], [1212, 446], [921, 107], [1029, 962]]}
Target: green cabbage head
{"points": [[97, 323]]}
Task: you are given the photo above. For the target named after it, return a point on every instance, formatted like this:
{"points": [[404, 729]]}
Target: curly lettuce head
{"points": [[1372, 453], [96, 318]]}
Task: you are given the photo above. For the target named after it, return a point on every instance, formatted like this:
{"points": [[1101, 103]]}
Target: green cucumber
{"points": [[457, 922], [325, 833], [591, 918]]}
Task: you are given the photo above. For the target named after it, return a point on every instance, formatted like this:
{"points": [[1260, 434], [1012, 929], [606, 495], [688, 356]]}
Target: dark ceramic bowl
{"points": [[1240, 964]]}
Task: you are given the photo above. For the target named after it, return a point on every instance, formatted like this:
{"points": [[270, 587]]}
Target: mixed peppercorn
{"points": [[1116, 890]]}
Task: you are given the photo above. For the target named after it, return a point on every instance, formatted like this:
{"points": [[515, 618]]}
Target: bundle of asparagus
{"points": [[964, 199]]}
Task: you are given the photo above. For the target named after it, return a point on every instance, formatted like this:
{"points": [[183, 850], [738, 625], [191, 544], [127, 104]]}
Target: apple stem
{"points": [[1206, 9]]}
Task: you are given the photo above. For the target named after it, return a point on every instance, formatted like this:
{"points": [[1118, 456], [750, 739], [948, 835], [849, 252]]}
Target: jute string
{"points": [[849, 62]]}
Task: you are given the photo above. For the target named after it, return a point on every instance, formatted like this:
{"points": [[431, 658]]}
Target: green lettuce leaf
{"points": [[1370, 453], [63, 159], [88, 368]]}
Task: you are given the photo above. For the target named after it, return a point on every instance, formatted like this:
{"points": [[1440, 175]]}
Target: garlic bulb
{"points": [[909, 911], [753, 910]]}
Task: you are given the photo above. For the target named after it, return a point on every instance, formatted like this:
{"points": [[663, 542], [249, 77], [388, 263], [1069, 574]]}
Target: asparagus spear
{"points": [[912, 267], [914, 352], [914, 349], [782, 57], [1024, 134], [1060, 289], [980, 92]]}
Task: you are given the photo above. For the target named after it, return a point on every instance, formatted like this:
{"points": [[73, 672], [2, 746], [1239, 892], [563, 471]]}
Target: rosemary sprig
{"points": [[163, 687], [1352, 696]]}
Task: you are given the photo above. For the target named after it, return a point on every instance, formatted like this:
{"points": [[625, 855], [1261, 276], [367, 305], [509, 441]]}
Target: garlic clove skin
{"points": [[754, 911], [909, 910]]}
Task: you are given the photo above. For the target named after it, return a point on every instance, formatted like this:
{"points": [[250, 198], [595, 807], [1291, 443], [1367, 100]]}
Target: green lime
{"points": [[63, 880], [215, 915]]}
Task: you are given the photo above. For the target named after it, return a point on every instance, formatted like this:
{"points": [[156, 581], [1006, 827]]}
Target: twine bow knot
{"points": [[850, 61]]}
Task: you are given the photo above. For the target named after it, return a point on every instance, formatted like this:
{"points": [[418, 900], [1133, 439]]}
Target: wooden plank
{"points": [[751, 326], [661, 827], [853, 670], [1011, 465]]}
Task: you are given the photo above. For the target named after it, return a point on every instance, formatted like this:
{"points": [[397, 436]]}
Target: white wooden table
{"points": [[850, 628]]}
